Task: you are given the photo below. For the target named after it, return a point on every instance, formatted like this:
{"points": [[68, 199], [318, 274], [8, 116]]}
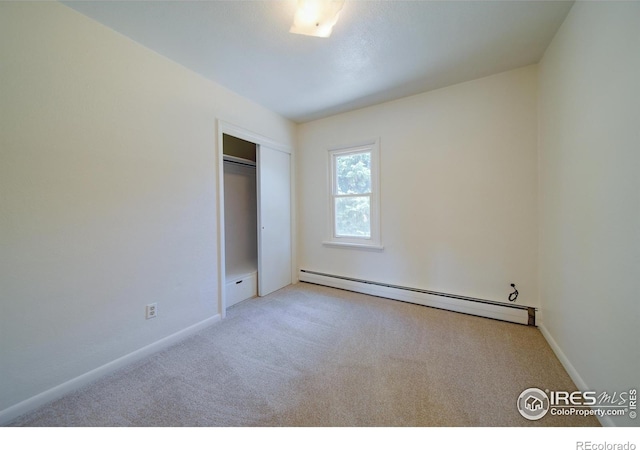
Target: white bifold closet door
{"points": [[274, 220]]}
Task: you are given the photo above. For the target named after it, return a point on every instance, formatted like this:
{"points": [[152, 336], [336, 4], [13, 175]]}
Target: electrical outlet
{"points": [[152, 310]]}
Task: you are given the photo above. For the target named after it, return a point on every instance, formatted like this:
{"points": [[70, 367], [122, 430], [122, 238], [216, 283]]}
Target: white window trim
{"points": [[374, 241]]}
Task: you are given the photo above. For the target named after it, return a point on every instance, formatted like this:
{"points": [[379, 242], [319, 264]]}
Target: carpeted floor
{"points": [[315, 356]]}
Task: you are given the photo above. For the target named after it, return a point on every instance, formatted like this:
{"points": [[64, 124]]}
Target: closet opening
{"points": [[240, 219], [255, 221]]}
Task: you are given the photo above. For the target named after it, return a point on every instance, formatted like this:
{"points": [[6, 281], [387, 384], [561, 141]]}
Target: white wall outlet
{"points": [[152, 310]]}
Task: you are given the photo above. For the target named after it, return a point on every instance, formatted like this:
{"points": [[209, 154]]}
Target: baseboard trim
{"points": [[78, 382], [571, 370]]}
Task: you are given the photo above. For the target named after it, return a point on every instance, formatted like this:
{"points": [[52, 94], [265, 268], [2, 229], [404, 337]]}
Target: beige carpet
{"points": [[315, 356]]}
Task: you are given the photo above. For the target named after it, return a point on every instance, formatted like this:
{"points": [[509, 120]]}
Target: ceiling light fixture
{"points": [[316, 17]]}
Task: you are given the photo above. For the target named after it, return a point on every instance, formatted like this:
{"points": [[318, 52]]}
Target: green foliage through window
{"points": [[353, 195], [353, 173]]}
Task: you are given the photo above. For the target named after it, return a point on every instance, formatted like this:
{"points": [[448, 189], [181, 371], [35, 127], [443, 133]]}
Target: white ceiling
{"points": [[379, 50]]}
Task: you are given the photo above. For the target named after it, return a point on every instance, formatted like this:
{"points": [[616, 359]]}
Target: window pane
{"points": [[353, 216], [353, 173]]}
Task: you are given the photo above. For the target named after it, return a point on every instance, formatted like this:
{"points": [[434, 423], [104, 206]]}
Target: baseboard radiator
{"points": [[521, 314]]}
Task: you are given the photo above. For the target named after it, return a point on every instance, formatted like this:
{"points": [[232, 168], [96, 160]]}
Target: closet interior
{"points": [[240, 219]]}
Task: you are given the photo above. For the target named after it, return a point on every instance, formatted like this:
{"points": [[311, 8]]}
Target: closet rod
{"points": [[239, 161]]}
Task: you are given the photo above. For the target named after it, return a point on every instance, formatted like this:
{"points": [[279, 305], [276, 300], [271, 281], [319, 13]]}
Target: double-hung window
{"points": [[354, 196]]}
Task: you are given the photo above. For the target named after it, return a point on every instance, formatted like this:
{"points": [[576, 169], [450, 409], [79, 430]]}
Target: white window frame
{"points": [[374, 241]]}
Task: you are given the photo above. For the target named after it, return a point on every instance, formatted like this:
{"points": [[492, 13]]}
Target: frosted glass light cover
{"points": [[316, 17]]}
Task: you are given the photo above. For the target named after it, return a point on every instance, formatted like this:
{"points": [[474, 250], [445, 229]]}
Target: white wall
{"points": [[108, 194], [240, 221], [458, 189], [590, 195]]}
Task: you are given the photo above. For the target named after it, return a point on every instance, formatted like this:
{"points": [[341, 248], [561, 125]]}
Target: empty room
{"points": [[319, 214]]}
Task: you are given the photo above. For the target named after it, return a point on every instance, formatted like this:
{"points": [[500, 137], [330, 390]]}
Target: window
{"points": [[354, 204]]}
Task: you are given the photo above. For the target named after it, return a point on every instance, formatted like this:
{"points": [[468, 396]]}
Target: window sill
{"points": [[369, 247]]}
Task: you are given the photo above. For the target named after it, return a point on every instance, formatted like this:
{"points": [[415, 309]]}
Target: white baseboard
{"points": [[573, 373], [76, 383], [491, 311]]}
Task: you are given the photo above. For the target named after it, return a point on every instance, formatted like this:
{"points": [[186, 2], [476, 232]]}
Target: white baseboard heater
{"points": [[521, 314]]}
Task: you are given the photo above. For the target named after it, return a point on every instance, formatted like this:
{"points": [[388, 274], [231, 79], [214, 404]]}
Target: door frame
{"points": [[222, 128]]}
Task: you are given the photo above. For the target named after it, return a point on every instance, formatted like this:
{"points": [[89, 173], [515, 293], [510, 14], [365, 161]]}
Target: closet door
{"points": [[274, 220]]}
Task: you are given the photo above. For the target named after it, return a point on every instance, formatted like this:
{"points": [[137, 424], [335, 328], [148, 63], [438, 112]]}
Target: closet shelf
{"points": [[237, 160], [236, 273]]}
